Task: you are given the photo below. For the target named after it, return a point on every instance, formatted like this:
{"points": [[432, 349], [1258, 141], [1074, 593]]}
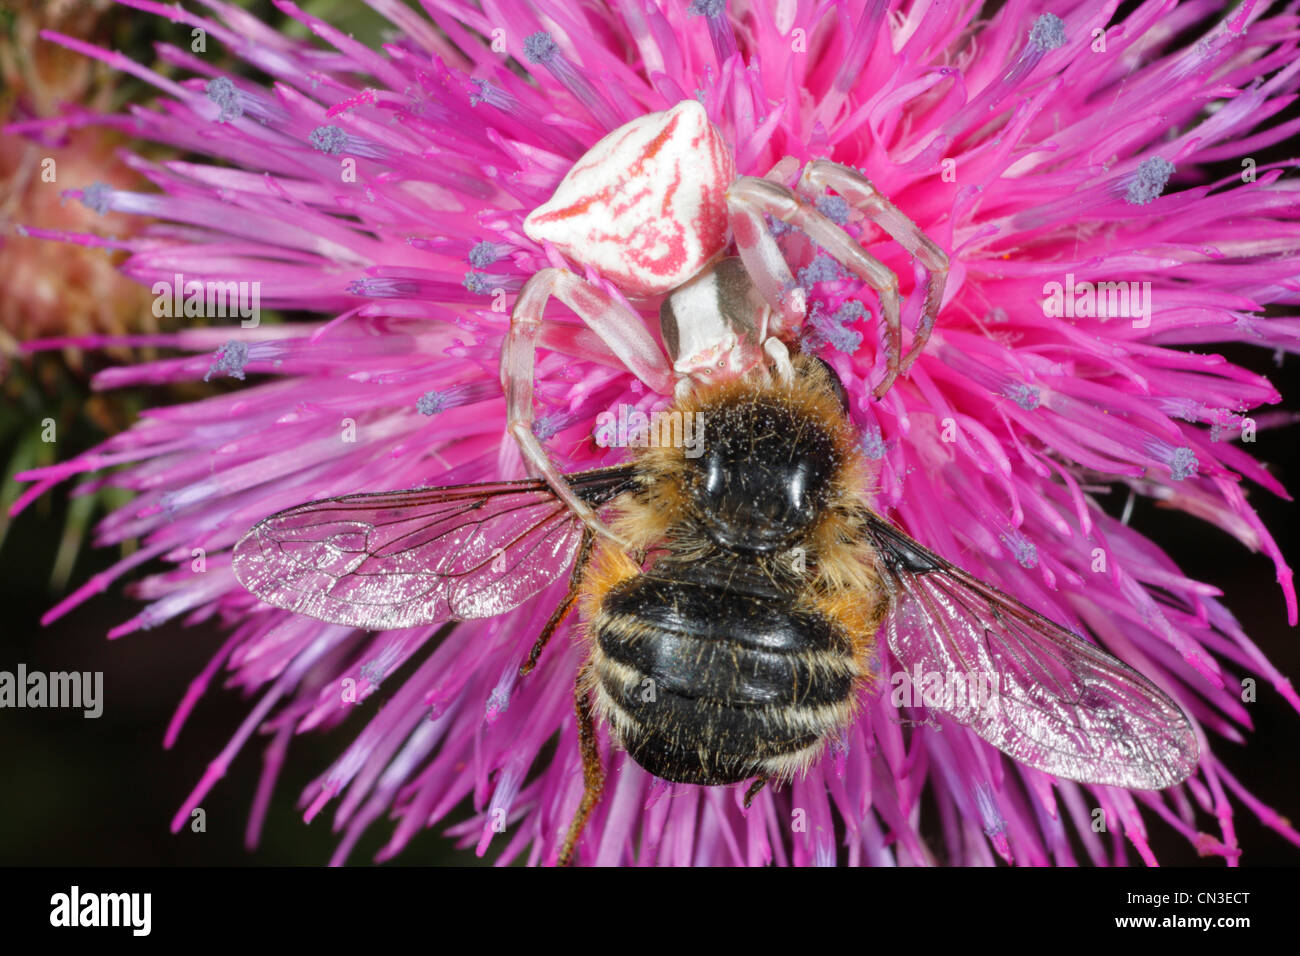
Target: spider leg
{"points": [[617, 327], [858, 191], [784, 171], [749, 198], [780, 355], [766, 266]]}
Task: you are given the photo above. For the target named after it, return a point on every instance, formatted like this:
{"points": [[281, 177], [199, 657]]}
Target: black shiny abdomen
{"points": [[721, 672]]}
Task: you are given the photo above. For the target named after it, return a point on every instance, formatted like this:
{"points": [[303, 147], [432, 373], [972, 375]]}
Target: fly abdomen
{"points": [[713, 682]]}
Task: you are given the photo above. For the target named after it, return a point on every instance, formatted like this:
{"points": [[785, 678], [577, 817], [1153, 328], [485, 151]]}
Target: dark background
{"points": [[102, 792]]}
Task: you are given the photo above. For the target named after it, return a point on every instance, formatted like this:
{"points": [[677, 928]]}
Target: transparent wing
{"points": [[403, 558], [1034, 690]]}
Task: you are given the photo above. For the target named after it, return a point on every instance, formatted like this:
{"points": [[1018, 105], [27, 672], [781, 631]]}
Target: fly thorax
{"points": [[764, 478]]}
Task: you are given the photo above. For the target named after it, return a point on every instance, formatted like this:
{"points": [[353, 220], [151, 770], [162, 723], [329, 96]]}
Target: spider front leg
{"points": [[617, 327], [748, 199], [858, 191], [766, 266]]}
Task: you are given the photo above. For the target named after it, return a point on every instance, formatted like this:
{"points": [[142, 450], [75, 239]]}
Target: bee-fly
{"points": [[753, 621], [748, 602]]}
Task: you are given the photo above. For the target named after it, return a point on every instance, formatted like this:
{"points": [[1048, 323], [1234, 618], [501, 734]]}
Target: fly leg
{"points": [[565, 606], [593, 773]]}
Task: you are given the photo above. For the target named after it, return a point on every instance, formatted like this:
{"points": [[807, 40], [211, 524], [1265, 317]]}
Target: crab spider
{"points": [[653, 207]]}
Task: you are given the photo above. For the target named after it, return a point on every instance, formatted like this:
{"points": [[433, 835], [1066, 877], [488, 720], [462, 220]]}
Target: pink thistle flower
{"points": [[385, 190]]}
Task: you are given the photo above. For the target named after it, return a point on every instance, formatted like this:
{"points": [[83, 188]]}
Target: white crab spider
{"points": [[652, 207]]}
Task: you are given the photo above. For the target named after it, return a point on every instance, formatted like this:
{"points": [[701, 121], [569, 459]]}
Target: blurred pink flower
{"points": [[52, 289], [386, 189]]}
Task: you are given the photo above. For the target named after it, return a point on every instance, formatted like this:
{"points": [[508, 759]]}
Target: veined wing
{"points": [[1042, 694], [402, 558]]}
